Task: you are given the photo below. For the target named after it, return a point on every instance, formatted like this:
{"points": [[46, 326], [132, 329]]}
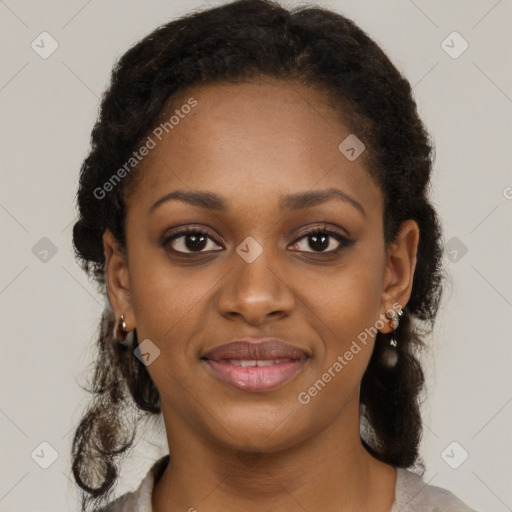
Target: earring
{"points": [[390, 355], [120, 334]]}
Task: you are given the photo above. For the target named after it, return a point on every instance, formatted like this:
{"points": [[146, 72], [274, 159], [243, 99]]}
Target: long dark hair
{"points": [[236, 42]]}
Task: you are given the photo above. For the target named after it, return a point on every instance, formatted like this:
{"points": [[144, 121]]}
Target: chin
{"points": [[268, 428]]}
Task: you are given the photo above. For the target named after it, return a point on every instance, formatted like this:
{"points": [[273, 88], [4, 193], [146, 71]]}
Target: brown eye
{"points": [[191, 241], [321, 240]]}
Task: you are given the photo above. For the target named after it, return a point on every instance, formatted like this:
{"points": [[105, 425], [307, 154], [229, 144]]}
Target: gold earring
{"points": [[120, 333]]}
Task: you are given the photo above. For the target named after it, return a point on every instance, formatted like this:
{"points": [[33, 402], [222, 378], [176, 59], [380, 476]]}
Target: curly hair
{"points": [[237, 42]]}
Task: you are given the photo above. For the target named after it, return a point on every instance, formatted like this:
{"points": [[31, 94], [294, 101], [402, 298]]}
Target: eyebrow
{"points": [[297, 201]]}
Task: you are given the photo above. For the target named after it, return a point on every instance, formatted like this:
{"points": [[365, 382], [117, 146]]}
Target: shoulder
{"points": [[414, 495], [139, 500]]}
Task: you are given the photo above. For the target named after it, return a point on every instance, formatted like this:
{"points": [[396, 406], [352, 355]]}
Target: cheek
{"points": [[347, 300], [170, 305], [161, 293], [344, 310], [165, 303]]}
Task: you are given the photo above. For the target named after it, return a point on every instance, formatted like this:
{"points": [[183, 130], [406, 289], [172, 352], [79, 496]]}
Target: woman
{"points": [[255, 208]]}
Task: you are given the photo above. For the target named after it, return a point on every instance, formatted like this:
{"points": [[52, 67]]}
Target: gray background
{"points": [[49, 310]]}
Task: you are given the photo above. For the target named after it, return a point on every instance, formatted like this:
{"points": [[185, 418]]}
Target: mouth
{"points": [[256, 366]]}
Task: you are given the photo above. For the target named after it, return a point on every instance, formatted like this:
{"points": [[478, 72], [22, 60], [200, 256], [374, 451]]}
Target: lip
{"points": [[267, 363]]}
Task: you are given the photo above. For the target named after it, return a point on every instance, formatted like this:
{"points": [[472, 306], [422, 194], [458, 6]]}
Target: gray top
{"points": [[412, 494]]}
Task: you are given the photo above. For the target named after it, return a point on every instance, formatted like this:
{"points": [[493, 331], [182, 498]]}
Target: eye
{"points": [[322, 240], [190, 241]]}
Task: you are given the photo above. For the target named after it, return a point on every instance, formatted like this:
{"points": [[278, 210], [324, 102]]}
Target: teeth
{"points": [[250, 363], [268, 362]]}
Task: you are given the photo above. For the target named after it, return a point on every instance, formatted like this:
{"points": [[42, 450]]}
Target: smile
{"points": [[256, 375], [256, 365]]}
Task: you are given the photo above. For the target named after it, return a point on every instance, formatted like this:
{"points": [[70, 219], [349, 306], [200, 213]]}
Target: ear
{"points": [[399, 273], [118, 284]]}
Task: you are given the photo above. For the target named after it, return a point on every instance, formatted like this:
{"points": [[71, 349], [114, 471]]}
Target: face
{"points": [[256, 258]]}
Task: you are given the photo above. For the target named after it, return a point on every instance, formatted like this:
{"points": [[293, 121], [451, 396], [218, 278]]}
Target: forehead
{"points": [[267, 136]]}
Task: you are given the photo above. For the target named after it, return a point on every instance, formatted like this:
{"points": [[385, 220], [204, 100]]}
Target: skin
{"points": [[232, 450]]}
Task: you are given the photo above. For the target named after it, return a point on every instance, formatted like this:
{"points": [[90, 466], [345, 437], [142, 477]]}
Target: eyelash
{"points": [[342, 239]]}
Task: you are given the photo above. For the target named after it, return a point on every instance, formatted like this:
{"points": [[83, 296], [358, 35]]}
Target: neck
{"points": [[330, 472]]}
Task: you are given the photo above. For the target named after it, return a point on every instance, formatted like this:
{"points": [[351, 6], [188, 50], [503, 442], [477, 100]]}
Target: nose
{"points": [[255, 292]]}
